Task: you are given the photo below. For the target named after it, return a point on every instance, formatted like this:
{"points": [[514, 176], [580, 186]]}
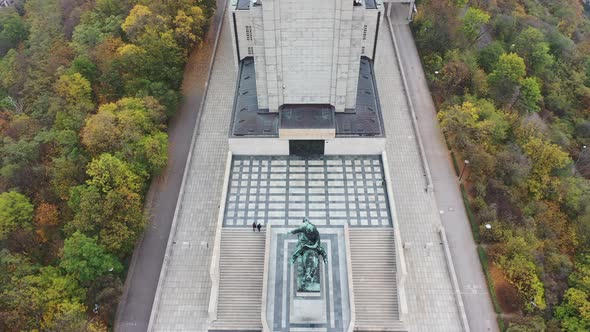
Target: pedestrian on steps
{"points": [[254, 226], [259, 227]]}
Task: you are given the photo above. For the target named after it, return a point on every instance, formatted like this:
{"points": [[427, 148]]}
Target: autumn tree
{"points": [[139, 20], [188, 26], [546, 158], [46, 301], [134, 128], [46, 216]]}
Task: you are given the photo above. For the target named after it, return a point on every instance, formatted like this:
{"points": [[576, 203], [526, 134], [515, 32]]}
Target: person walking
{"points": [[259, 227], [254, 226]]}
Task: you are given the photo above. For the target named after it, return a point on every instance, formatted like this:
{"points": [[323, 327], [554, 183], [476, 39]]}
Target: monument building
{"points": [[302, 137], [305, 144], [305, 76]]}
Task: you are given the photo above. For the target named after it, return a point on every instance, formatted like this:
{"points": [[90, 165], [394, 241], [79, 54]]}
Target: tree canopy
{"points": [[86, 90], [513, 93]]}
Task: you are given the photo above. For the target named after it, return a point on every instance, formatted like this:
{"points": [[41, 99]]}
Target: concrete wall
{"points": [[244, 22], [258, 146], [355, 146], [337, 146]]}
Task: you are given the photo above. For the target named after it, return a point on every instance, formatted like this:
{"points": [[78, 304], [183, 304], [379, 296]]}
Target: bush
{"points": [[455, 165], [485, 265], [470, 215]]}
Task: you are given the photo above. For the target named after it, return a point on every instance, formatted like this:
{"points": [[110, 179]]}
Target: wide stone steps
{"points": [[241, 271], [373, 262]]}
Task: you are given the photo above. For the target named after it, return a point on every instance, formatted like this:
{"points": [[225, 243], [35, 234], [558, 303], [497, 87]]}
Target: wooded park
{"points": [[511, 80], [86, 90]]}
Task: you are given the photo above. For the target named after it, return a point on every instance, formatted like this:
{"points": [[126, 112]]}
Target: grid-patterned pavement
{"points": [[330, 190]]}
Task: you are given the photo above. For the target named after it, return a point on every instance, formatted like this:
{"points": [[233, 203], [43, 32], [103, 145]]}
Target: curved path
{"points": [[133, 312]]}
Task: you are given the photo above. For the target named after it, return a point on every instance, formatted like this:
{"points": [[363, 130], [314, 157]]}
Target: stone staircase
{"points": [[373, 259], [241, 269]]}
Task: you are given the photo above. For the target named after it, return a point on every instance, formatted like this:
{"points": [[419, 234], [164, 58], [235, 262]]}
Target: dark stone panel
{"points": [[245, 5], [307, 116], [364, 120]]}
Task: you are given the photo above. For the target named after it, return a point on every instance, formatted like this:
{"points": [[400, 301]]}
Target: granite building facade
{"points": [[305, 51]]}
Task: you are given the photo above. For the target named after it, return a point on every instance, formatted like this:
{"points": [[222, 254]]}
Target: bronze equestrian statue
{"points": [[309, 247]]}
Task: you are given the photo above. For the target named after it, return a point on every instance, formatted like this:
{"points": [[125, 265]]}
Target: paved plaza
{"points": [[183, 295], [330, 190]]}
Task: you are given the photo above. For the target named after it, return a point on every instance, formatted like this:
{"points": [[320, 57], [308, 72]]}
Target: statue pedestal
{"points": [[308, 285], [287, 308], [307, 307]]}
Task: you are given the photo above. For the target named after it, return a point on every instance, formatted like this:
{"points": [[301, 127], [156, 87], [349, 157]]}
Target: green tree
{"points": [[510, 68], [156, 57], [108, 173], [93, 29], [76, 102], [83, 65], [508, 73], [153, 151], [530, 95], [83, 258], [531, 45], [115, 217], [12, 31], [15, 211], [574, 312], [488, 56], [472, 22]]}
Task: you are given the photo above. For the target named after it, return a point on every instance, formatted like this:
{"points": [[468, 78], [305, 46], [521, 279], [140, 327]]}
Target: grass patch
{"points": [[501, 323], [455, 165], [470, 215], [447, 142]]}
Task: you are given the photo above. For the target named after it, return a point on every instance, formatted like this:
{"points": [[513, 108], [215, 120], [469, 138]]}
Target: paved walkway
{"points": [[478, 306], [185, 288], [134, 309], [430, 295]]}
